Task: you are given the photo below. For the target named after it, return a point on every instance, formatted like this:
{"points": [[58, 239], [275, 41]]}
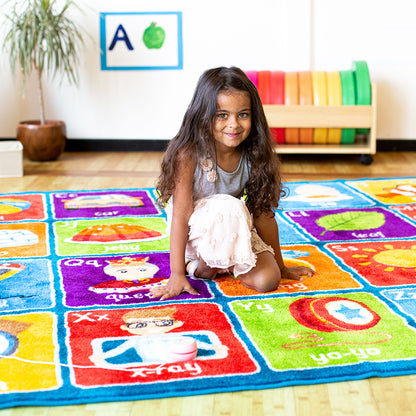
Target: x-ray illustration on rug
{"points": [[78, 325]]}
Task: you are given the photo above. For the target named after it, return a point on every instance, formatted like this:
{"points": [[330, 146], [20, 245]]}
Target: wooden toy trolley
{"points": [[354, 116]]}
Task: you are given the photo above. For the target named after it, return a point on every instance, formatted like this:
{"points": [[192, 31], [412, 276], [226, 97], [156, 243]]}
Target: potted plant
{"points": [[43, 39]]}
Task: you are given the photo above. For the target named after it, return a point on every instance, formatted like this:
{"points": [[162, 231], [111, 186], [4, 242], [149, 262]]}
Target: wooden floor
{"points": [[370, 397]]}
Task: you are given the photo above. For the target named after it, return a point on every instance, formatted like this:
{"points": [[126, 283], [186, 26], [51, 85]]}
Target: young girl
{"points": [[220, 178]]}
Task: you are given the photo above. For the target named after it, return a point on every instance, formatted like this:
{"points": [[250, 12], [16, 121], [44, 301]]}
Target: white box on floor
{"points": [[11, 159]]}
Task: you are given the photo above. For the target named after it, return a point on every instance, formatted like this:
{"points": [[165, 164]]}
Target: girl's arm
{"points": [[182, 211], [268, 230]]}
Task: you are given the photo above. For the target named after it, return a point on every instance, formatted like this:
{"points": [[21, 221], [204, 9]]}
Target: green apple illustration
{"points": [[154, 36]]}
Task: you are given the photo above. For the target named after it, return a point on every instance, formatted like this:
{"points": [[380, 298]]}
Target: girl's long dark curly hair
{"points": [[195, 137]]}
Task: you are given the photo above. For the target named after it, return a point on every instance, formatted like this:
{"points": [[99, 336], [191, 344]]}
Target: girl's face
{"points": [[232, 123]]}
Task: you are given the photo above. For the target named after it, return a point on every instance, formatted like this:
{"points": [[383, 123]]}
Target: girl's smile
{"points": [[233, 118]]}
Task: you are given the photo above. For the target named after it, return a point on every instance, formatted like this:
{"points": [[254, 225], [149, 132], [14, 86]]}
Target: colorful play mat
{"points": [[77, 324]]}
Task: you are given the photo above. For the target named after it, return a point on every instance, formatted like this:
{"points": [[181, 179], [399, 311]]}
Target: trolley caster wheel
{"points": [[366, 160]]}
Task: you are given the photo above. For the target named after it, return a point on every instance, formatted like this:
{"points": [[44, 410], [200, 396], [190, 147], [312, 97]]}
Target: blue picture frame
{"points": [[169, 64]]}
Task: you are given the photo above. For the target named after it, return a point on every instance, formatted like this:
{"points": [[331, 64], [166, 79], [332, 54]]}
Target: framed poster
{"points": [[141, 40]]}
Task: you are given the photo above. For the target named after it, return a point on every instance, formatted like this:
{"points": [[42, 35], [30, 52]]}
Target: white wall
{"points": [[261, 34]]}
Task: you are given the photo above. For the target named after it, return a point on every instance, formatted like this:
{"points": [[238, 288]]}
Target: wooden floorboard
{"points": [[369, 397]]}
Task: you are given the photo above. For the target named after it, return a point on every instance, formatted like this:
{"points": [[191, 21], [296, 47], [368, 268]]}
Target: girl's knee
{"points": [[267, 283], [265, 280], [266, 275]]}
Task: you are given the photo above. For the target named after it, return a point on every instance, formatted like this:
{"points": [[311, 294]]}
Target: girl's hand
{"points": [[296, 273], [175, 286]]}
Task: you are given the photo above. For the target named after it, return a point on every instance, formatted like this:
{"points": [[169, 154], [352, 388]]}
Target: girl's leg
{"points": [[265, 276], [202, 270], [220, 230]]}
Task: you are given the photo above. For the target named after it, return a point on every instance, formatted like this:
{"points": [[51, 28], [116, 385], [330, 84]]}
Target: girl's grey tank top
{"points": [[210, 179]]}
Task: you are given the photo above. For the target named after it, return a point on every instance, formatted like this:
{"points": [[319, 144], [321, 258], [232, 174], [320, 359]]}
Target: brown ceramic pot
{"points": [[42, 142]]}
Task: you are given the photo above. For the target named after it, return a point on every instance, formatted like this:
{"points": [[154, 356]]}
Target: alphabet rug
{"points": [[77, 324]]}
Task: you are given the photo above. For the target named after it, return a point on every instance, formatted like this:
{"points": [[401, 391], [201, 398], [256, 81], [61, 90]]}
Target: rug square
{"points": [[131, 346], [404, 298], [26, 284], [388, 191], [21, 207], [24, 240], [382, 263], [122, 280], [111, 236], [352, 224], [326, 331], [29, 353], [329, 195], [328, 276], [288, 233], [103, 204], [407, 210]]}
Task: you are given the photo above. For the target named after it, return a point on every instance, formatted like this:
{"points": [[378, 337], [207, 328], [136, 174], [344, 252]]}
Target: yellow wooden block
{"points": [[333, 82], [320, 98]]}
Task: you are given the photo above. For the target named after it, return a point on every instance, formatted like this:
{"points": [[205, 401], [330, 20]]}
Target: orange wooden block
{"points": [[305, 98], [292, 98]]}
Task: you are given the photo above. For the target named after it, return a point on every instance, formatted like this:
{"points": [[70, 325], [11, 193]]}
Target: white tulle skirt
{"points": [[221, 233]]}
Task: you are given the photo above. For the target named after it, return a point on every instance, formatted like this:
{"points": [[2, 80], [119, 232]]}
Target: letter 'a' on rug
{"points": [[77, 324]]}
